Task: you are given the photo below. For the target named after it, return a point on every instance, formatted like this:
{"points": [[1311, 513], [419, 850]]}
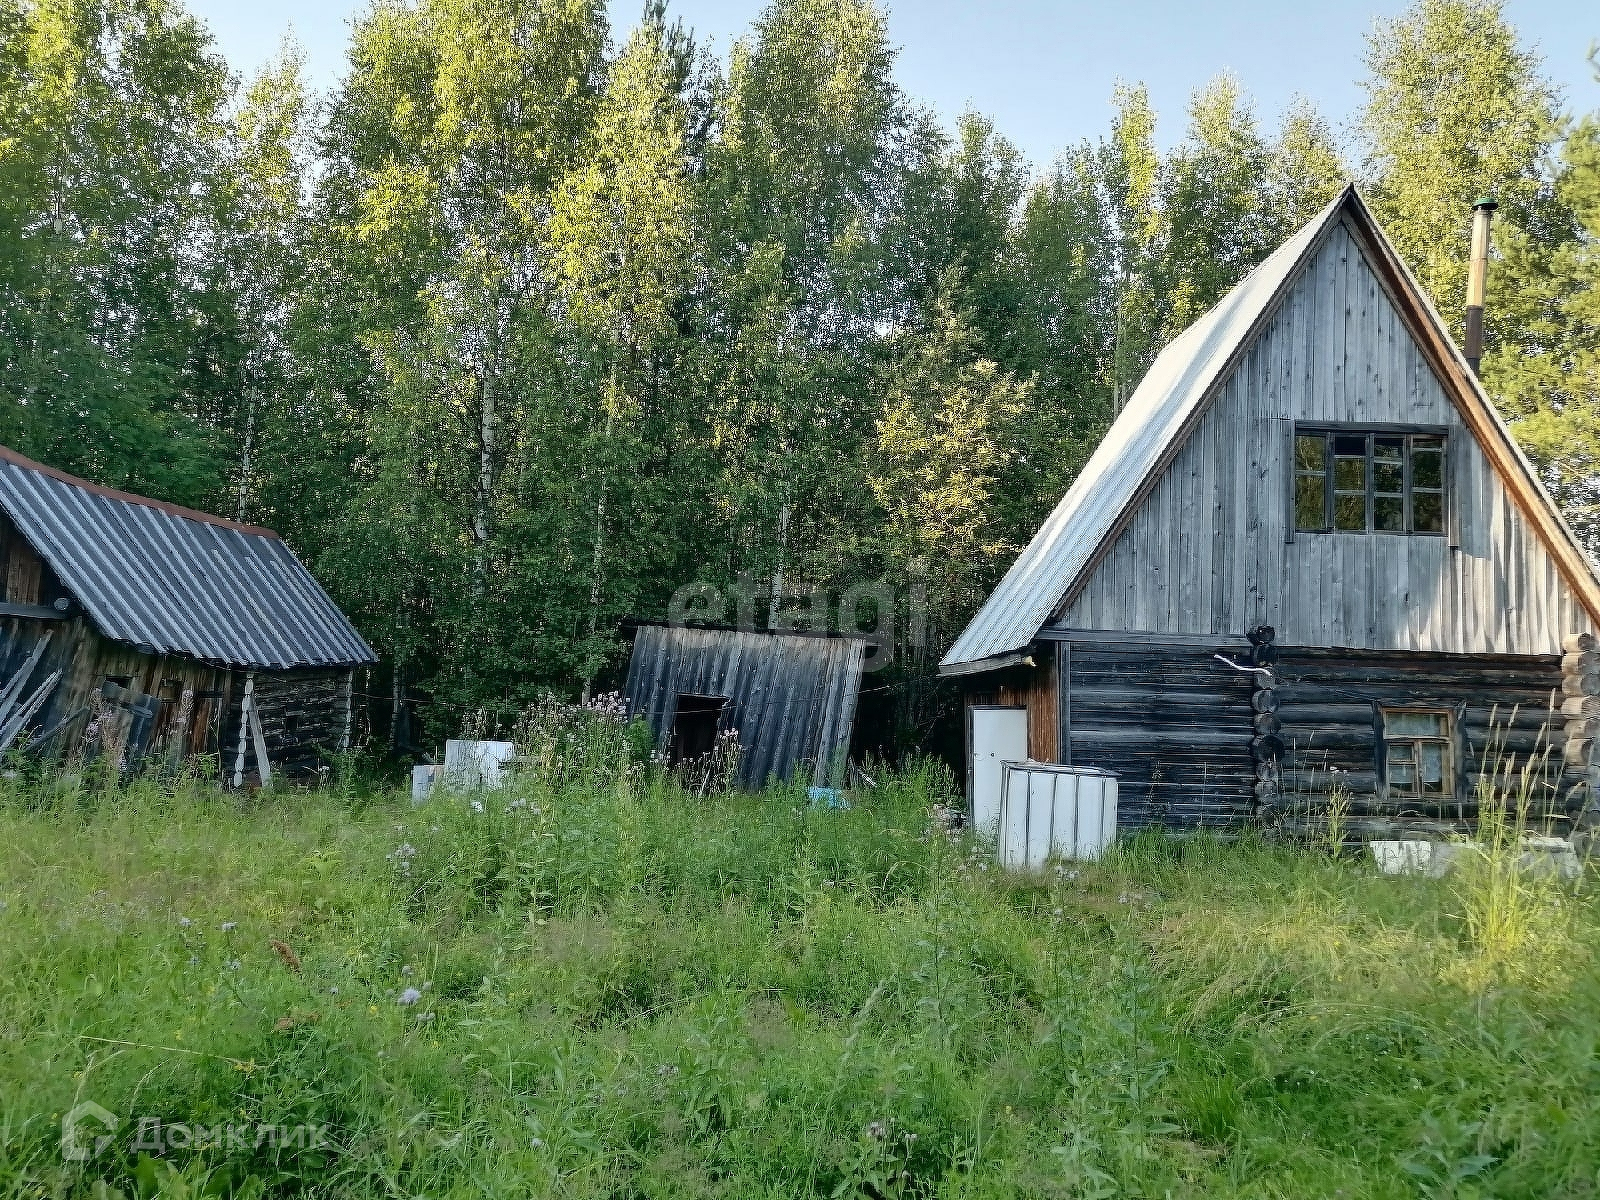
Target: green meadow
{"points": [[594, 983]]}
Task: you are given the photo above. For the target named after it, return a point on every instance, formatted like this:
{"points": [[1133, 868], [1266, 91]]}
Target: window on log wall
{"points": [[1419, 745], [1368, 481]]}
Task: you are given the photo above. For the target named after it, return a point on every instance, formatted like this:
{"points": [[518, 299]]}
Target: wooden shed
{"points": [[1307, 555], [791, 698], [147, 632]]}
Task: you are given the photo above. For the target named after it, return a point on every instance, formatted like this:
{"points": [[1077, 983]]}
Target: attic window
{"points": [[1367, 481]]}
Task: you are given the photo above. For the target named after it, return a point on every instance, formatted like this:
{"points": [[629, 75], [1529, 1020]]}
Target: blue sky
{"points": [[1043, 69]]}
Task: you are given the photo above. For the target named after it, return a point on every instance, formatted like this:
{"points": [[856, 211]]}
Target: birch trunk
{"points": [[596, 567], [485, 489]]}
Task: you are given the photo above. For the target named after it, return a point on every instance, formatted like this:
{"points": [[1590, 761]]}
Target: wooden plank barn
{"points": [[790, 697], [150, 633], [1310, 484]]}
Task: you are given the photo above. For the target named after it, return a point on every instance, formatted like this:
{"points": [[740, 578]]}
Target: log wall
{"points": [[1172, 722], [1326, 705]]}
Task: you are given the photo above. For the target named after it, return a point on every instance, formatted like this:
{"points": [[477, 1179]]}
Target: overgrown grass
{"points": [[625, 991]]}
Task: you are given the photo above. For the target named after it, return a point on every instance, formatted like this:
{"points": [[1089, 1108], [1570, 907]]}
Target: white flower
{"points": [[184, 922], [406, 970], [409, 997], [536, 1143], [234, 964], [477, 806], [229, 926], [333, 991]]}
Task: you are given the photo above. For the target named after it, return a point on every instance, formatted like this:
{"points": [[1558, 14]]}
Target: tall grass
{"points": [[1517, 910], [594, 983]]}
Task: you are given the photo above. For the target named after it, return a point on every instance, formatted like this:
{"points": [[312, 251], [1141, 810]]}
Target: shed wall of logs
{"points": [[1176, 725], [1508, 710]]}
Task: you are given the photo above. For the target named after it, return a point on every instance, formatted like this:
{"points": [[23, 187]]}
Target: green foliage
{"points": [[618, 988], [527, 326], [1456, 110]]}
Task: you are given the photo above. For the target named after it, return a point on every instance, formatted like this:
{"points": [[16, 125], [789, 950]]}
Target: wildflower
{"points": [[233, 964], [477, 806], [405, 971], [666, 1070], [409, 997], [536, 1143], [184, 922], [877, 1131], [333, 991], [229, 926], [194, 960]]}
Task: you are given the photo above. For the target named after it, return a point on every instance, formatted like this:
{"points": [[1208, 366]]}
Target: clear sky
{"points": [[1043, 69]]}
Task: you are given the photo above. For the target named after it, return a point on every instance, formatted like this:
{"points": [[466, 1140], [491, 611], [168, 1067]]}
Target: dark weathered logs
{"points": [[1267, 723], [1579, 643], [1267, 746], [1264, 702]]}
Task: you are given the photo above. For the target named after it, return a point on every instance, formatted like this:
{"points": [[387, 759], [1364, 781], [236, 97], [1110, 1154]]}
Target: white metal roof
{"points": [[1178, 381]]}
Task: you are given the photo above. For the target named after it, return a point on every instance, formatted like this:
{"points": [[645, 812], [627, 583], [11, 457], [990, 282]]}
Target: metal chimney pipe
{"points": [[1478, 278]]}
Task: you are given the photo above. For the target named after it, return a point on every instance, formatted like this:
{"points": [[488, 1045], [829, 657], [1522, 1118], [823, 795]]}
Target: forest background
{"points": [[532, 323]]}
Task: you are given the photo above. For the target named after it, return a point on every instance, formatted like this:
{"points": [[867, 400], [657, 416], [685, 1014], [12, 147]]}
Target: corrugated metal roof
{"points": [[173, 581], [1177, 382]]}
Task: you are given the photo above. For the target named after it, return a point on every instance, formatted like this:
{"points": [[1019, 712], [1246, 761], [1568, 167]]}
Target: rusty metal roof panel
{"points": [[173, 581], [1177, 383]]}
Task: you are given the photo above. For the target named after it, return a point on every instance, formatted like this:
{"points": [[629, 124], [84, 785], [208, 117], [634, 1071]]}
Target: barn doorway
{"points": [[694, 726]]}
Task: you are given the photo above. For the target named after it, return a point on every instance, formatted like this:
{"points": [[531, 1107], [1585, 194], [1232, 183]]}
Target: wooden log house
{"points": [[1307, 559], [160, 634]]}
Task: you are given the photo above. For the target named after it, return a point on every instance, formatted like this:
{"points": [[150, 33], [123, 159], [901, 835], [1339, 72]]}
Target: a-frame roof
{"points": [[1175, 394]]}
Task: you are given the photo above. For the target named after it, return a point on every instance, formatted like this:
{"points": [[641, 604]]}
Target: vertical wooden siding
{"points": [[792, 699], [1209, 552], [1033, 688]]}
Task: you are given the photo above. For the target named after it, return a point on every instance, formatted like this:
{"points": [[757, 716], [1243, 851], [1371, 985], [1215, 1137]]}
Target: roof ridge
{"points": [[176, 510]]}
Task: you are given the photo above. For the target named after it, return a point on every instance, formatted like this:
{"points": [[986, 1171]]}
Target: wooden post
{"points": [[349, 709], [245, 704], [263, 766]]}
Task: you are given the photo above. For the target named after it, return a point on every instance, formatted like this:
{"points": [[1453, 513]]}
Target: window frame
{"points": [[1329, 432], [1453, 753]]}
